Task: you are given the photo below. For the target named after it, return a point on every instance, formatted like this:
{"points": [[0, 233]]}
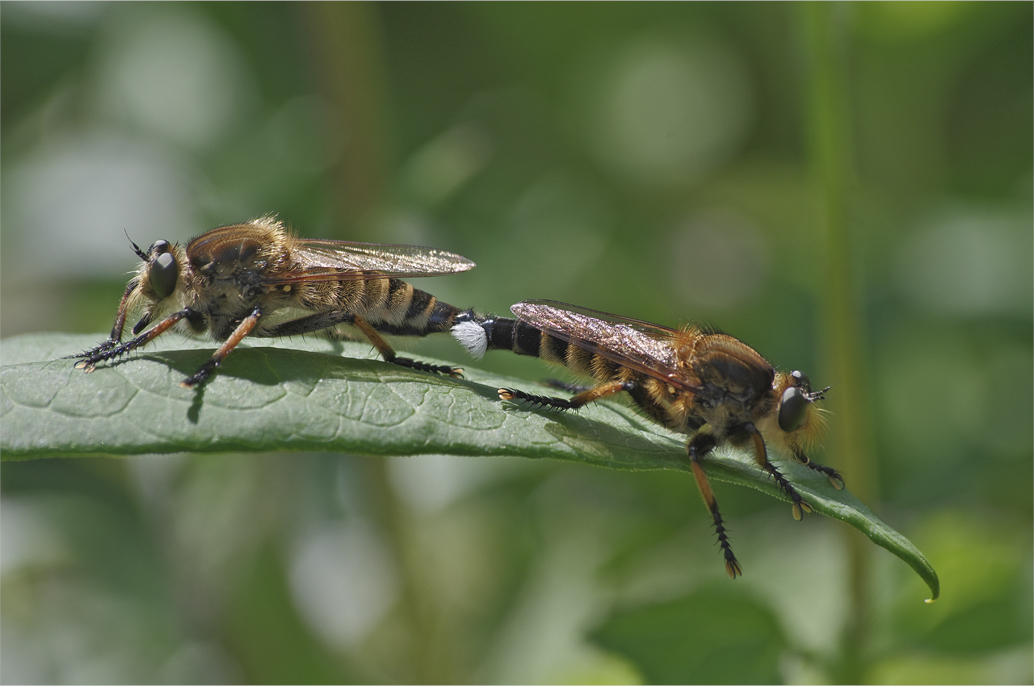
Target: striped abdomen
{"points": [[652, 395], [517, 336], [392, 306]]}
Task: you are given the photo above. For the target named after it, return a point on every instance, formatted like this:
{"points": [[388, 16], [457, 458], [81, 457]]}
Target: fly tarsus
{"points": [[102, 347], [833, 475], [202, 374], [88, 359], [800, 505], [454, 372], [700, 445], [108, 350], [512, 394], [732, 565]]}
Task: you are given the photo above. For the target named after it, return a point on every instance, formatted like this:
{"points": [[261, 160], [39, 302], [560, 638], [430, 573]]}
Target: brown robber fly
{"points": [[699, 382], [258, 279]]}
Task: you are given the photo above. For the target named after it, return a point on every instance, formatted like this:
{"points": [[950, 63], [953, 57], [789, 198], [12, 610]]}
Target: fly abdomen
{"points": [[479, 334], [407, 311]]}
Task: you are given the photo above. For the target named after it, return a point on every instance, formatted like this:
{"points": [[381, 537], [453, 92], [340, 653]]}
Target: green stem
{"points": [[349, 64], [843, 330], [347, 59], [430, 661]]}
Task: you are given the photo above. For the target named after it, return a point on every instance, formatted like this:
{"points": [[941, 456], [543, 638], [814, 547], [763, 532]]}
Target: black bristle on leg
{"points": [[542, 400], [103, 347], [800, 505], [732, 565], [109, 350], [455, 372], [833, 475], [202, 374]]}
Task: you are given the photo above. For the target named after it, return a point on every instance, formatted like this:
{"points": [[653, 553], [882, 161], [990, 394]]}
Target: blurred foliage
{"points": [[653, 160]]}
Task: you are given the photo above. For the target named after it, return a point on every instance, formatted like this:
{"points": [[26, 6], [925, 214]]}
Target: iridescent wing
{"points": [[345, 261], [645, 347]]}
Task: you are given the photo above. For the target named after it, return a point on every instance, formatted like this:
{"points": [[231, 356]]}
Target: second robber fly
{"points": [[703, 383], [258, 279]]}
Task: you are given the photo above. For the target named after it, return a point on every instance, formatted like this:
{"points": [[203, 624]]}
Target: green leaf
{"points": [[315, 395]]}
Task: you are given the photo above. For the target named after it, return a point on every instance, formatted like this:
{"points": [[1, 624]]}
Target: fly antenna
{"points": [[136, 248]]}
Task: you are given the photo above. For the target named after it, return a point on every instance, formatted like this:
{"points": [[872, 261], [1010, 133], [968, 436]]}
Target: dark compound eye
{"points": [[792, 408], [802, 380], [159, 247], [164, 272]]}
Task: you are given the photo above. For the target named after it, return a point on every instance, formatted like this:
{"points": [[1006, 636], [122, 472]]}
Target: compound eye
{"points": [[163, 272], [792, 408]]}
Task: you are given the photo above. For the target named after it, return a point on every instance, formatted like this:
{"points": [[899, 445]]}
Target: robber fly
{"points": [[703, 383], [258, 279]]}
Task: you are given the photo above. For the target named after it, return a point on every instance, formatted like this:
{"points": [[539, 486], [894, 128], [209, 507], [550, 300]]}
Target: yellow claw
{"points": [[799, 509]]}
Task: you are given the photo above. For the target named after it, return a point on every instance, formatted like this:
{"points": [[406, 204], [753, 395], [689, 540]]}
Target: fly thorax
{"points": [[249, 284]]}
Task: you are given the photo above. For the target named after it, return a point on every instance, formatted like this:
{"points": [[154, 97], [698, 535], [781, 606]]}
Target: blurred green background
{"points": [[670, 162]]}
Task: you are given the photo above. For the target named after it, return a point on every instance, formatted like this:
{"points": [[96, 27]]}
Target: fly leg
{"points": [[700, 445], [323, 320], [242, 330], [388, 353], [585, 397], [115, 338], [750, 432], [111, 349], [831, 474]]}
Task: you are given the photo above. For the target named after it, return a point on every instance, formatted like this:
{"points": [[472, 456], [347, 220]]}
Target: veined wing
{"points": [[323, 260], [645, 347]]}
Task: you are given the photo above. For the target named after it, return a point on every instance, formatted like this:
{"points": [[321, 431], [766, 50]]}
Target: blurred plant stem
{"points": [[346, 53], [348, 62], [431, 661], [843, 331]]}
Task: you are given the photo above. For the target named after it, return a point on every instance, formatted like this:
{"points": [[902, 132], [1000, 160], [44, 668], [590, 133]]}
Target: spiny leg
{"points": [[109, 350], [831, 474], [513, 394], [388, 353], [800, 505], [588, 396], [242, 330], [115, 337], [700, 445]]}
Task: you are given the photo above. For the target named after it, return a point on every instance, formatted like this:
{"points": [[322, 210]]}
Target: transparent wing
{"points": [[345, 261], [645, 347]]}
